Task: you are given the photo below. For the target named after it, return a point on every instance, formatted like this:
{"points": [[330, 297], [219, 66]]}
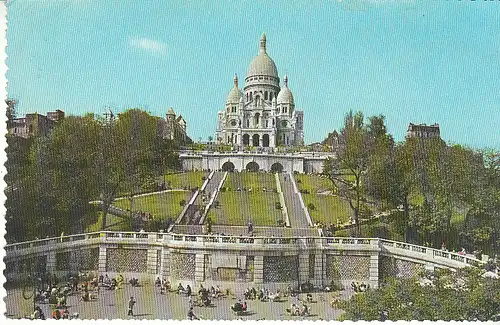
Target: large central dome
{"points": [[262, 64]]}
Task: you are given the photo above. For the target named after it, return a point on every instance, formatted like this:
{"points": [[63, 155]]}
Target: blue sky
{"points": [[421, 61]]}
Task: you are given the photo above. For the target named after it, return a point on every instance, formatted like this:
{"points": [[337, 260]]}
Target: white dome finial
{"points": [[263, 43], [285, 79], [236, 80]]}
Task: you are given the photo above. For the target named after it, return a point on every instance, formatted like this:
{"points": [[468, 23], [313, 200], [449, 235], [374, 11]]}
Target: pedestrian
{"points": [[191, 315], [131, 304], [250, 227]]}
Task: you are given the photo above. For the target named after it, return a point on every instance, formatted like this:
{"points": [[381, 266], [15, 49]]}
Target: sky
{"points": [[413, 61]]}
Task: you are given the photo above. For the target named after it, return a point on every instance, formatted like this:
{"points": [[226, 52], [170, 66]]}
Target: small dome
{"points": [[285, 95], [262, 64], [235, 94]]}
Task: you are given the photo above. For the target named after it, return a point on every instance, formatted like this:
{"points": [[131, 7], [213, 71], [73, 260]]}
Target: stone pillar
{"points": [[199, 271], [51, 262], [303, 268], [258, 269], [165, 263], [323, 266], [318, 269], [102, 259], [373, 279], [152, 261]]}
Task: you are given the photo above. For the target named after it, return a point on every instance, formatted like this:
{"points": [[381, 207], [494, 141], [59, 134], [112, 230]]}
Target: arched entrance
{"points": [[265, 140], [253, 166], [277, 167], [255, 140], [228, 167], [246, 139]]}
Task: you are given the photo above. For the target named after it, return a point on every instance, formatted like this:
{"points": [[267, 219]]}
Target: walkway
{"points": [[112, 304], [195, 211], [243, 231], [296, 214]]}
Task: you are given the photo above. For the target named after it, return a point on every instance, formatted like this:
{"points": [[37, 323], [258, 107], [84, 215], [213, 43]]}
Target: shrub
{"points": [[182, 203], [311, 207], [304, 191], [277, 205], [299, 181]]}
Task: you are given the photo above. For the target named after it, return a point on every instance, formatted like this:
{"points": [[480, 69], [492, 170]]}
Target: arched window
{"points": [[251, 97], [265, 95], [248, 123], [270, 96]]}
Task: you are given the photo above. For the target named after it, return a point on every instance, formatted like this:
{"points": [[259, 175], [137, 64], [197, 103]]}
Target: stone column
{"points": [[258, 269], [318, 269], [199, 271], [102, 259], [51, 262], [165, 263], [373, 279], [303, 268], [152, 261]]}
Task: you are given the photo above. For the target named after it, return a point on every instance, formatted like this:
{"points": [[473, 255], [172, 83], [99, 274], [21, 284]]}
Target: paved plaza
{"points": [[112, 304]]}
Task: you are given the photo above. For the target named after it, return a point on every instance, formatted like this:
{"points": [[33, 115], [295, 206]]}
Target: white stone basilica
{"points": [[263, 114]]}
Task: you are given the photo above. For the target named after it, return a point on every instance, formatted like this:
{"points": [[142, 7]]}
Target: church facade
{"points": [[263, 113]]}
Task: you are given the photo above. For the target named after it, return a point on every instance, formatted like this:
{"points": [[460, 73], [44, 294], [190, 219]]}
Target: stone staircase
{"points": [[296, 211], [212, 191]]}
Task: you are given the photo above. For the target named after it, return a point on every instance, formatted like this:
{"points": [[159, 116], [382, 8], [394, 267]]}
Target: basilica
{"points": [[262, 114]]}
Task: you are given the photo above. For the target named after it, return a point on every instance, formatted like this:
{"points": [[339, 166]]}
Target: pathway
{"points": [[296, 214]]}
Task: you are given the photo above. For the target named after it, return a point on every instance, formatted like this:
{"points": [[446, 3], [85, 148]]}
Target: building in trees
{"points": [[34, 124], [263, 114], [174, 127], [423, 131]]}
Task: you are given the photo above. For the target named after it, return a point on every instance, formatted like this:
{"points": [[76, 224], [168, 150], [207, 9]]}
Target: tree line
{"points": [[445, 194], [51, 179]]}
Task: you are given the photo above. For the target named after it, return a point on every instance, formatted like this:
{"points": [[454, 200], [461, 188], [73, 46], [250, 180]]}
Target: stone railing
{"points": [[427, 252], [387, 247]]}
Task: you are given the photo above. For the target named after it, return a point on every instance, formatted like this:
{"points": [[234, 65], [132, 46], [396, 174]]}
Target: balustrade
{"points": [[424, 252]]}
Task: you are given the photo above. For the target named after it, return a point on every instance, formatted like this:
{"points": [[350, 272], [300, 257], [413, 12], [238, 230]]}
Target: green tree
{"points": [[444, 295], [358, 147]]}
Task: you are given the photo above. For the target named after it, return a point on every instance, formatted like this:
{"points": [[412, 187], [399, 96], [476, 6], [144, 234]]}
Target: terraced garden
{"points": [[323, 207], [162, 206], [247, 197], [186, 180]]}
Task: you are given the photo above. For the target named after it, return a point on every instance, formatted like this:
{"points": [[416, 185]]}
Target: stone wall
{"points": [[79, 260], [389, 266], [229, 273], [281, 268], [126, 260], [347, 267], [182, 266], [32, 264]]}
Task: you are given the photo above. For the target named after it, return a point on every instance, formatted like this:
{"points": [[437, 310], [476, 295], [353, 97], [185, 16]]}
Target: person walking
{"points": [[191, 315], [131, 303]]}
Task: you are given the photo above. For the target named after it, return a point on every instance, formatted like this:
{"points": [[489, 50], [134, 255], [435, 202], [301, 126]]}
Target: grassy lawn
{"points": [[236, 208], [184, 180], [313, 183], [161, 206], [250, 180], [328, 209], [113, 223]]}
